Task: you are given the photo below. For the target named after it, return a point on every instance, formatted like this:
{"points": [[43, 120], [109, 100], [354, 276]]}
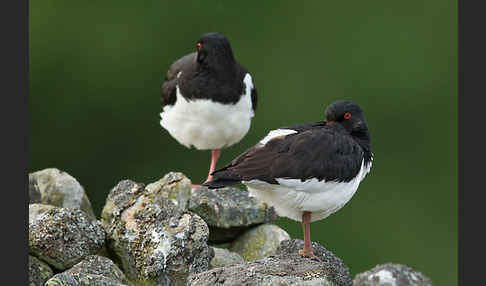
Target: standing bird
{"points": [[307, 171], [208, 98]]}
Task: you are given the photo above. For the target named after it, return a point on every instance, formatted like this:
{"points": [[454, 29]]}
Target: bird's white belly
{"points": [[292, 197], [206, 124]]}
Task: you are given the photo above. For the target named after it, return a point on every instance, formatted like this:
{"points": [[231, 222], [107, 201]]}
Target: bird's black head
{"points": [[349, 114], [214, 51]]}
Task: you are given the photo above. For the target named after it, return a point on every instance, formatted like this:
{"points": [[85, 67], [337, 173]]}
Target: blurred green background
{"points": [[96, 69]]}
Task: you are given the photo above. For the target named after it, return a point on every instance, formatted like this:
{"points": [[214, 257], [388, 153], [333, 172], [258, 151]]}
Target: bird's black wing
{"points": [[168, 87], [322, 153], [305, 126], [254, 98]]}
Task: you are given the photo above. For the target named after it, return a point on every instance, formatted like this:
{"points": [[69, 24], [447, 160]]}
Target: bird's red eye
{"points": [[347, 115], [199, 46]]}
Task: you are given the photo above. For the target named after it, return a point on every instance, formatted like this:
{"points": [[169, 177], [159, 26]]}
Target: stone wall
{"points": [[166, 233]]}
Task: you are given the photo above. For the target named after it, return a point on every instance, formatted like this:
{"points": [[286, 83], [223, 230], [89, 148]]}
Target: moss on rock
{"points": [[259, 242], [224, 257]]}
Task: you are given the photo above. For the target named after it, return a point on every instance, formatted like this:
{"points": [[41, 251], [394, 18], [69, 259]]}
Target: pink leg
{"points": [[214, 158], [307, 251]]}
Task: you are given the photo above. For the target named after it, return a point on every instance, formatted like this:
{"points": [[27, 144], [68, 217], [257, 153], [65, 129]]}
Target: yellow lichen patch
{"points": [[128, 215]]}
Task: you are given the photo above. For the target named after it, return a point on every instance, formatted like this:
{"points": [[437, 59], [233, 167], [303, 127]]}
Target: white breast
{"points": [[206, 124], [291, 197]]}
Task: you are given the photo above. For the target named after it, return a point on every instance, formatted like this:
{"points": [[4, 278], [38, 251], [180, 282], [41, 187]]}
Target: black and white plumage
{"points": [[307, 171], [208, 98]]}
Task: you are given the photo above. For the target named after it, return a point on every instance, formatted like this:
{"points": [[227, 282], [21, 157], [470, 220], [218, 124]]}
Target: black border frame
{"points": [[14, 26], [471, 144]]}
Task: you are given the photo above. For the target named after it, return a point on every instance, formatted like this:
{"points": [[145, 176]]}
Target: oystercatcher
{"points": [[307, 171], [208, 98]]}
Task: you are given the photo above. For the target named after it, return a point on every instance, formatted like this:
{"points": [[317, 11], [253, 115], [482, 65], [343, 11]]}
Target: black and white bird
{"points": [[307, 171], [208, 98]]}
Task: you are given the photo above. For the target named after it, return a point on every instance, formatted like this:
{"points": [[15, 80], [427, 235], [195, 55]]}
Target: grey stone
{"points": [[332, 265], [39, 272], [36, 210], [174, 187], [34, 192], [99, 265], [259, 242], [229, 211], [391, 275], [121, 197], [224, 257], [63, 237], [81, 279], [283, 270], [154, 241], [60, 189], [93, 270]]}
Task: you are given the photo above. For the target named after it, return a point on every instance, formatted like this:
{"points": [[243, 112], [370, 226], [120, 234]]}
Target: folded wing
{"points": [[314, 151], [168, 87]]}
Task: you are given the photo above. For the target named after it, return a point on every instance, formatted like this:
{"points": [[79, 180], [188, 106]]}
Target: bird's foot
{"points": [[209, 179], [195, 186], [309, 254]]}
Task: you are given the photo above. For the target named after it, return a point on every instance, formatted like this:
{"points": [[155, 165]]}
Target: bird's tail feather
{"points": [[216, 184], [222, 178]]}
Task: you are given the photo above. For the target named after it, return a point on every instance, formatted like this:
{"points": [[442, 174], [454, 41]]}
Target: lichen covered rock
{"points": [[229, 211], [121, 197], [81, 279], [174, 187], [93, 270], [154, 241], [259, 242], [391, 275], [224, 257], [36, 210], [282, 270], [332, 265], [60, 189], [63, 237], [39, 272], [99, 265]]}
